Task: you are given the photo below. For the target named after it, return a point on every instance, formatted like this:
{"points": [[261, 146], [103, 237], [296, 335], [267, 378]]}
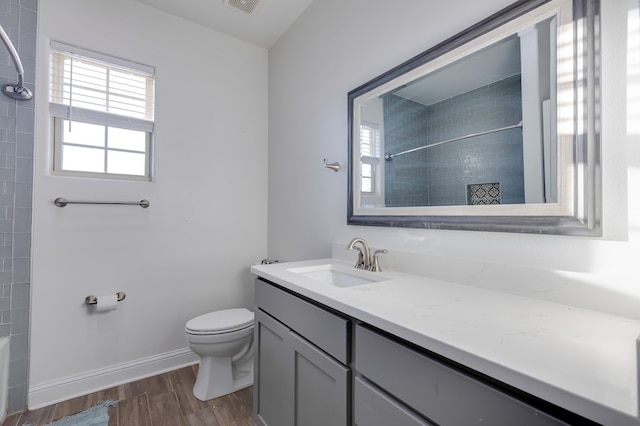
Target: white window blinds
{"points": [[369, 140], [99, 89]]}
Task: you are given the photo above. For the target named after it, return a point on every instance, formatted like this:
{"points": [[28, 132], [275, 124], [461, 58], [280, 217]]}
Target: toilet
{"points": [[224, 342]]}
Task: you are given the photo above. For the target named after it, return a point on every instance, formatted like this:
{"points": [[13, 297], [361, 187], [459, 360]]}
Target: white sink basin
{"points": [[338, 275]]}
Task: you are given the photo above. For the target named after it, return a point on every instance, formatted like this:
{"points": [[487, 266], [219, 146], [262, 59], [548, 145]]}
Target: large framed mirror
{"points": [[494, 129]]}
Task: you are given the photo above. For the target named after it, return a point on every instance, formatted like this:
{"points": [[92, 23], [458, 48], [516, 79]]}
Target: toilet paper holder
{"points": [[93, 300]]}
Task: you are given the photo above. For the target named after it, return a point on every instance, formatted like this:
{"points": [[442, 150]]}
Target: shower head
{"points": [[15, 91]]}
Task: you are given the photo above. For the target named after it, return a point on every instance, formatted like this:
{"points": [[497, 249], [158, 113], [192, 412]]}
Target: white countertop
{"points": [[582, 360]]}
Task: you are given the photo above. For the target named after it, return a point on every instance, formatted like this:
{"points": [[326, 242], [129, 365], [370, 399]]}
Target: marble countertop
{"points": [[579, 359]]}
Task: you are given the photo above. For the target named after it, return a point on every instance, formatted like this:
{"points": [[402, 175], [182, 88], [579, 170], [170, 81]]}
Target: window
{"points": [[102, 111], [369, 153]]}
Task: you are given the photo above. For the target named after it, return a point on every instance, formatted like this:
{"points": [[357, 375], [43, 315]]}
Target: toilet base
{"points": [[218, 377]]}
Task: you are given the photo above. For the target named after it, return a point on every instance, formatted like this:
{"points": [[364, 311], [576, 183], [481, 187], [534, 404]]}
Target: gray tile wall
{"points": [[439, 176], [406, 126], [19, 20]]}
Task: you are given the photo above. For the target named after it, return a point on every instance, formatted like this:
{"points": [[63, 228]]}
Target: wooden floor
{"points": [[161, 400]]}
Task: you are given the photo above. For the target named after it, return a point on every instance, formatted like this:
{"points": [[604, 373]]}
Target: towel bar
{"points": [[61, 202]]}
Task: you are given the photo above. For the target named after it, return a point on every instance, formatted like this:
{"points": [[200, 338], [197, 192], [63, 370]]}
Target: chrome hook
{"points": [[333, 166]]}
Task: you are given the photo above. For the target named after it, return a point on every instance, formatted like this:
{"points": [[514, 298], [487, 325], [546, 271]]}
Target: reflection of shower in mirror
{"points": [[500, 102]]}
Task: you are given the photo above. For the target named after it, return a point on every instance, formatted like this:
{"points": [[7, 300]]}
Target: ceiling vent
{"points": [[247, 6]]}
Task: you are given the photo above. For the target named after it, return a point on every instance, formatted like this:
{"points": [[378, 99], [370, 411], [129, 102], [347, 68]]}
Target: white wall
{"points": [[190, 251], [337, 46]]}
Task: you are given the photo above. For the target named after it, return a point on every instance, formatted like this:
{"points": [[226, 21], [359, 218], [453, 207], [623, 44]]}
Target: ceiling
{"points": [[489, 65], [268, 21]]}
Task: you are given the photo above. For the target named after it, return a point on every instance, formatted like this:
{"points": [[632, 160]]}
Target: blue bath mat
{"points": [[98, 415]]}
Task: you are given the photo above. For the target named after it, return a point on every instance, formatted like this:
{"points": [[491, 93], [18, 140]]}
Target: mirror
{"points": [[491, 130]]}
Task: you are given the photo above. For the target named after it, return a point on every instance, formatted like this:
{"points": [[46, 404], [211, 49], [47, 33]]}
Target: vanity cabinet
{"points": [[301, 377], [402, 375], [316, 366]]}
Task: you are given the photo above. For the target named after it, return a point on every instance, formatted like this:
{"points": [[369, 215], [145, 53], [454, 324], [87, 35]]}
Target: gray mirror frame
{"points": [[586, 217]]}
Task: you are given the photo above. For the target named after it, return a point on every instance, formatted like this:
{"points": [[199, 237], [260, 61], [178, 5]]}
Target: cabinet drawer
{"points": [[326, 330], [441, 393], [373, 408]]}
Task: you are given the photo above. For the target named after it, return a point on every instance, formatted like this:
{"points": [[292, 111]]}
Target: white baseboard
{"points": [[66, 388]]}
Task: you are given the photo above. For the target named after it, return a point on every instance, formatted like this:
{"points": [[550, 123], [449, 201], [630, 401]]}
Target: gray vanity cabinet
{"points": [[303, 376], [298, 382], [439, 392]]}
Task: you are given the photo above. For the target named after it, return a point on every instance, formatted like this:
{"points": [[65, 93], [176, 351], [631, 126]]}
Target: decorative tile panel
{"points": [[483, 193]]}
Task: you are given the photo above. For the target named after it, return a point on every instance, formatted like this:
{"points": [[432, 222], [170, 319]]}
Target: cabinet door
{"points": [[295, 383], [373, 407], [273, 396], [320, 386]]}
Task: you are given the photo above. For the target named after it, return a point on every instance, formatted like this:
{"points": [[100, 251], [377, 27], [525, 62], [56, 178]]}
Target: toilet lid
{"points": [[223, 321]]}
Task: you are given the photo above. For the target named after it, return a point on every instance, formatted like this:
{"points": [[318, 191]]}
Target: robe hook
{"points": [[333, 166]]}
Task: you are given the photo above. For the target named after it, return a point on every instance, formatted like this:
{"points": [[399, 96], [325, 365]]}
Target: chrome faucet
{"points": [[365, 261], [364, 255]]}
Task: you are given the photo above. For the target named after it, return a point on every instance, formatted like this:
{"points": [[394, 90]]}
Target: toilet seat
{"points": [[220, 322]]}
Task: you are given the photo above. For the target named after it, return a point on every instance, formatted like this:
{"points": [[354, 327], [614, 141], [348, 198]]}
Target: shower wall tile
{"points": [[24, 170], [19, 321], [21, 271], [17, 396], [6, 199], [17, 369], [24, 145], [6, 251], [20, 296], [23, 193], [19, 347], [439, 176], [21, 245], [22, 221], [28, 21], [25, 118], [19, 19]]}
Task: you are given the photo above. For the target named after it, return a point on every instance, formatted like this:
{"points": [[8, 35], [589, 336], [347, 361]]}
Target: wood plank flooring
{"points": [[163, 400]]}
